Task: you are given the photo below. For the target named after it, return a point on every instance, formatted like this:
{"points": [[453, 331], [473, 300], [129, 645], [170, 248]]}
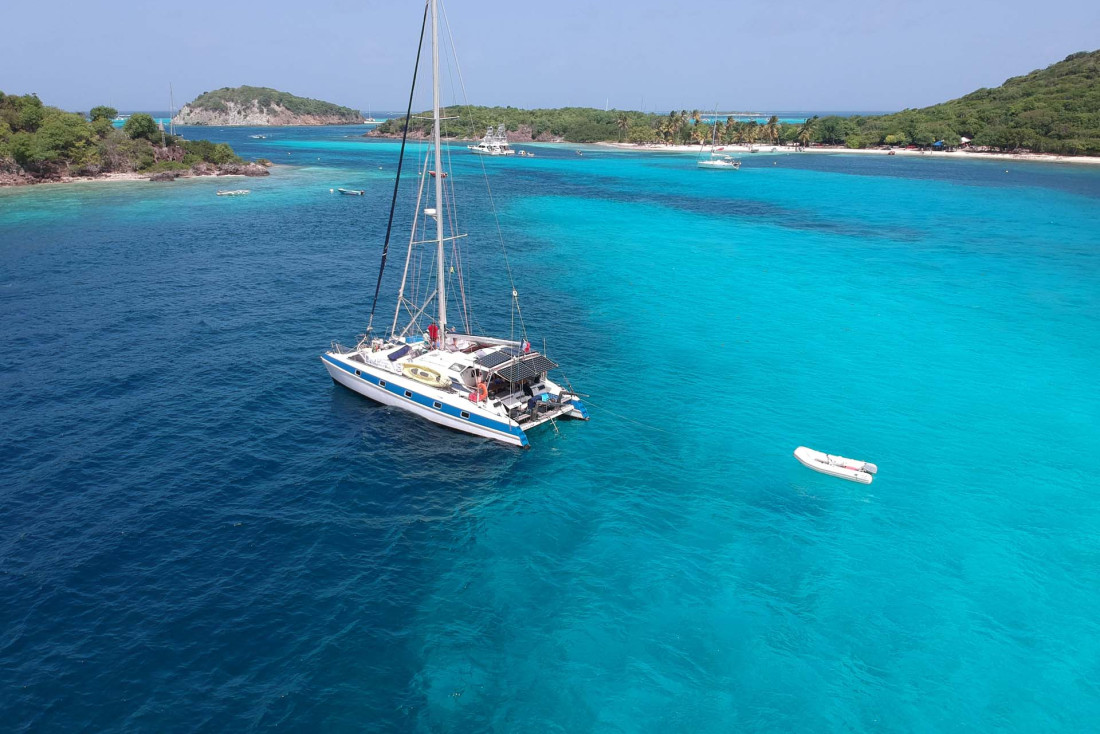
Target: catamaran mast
{"points": [[440, 269]]}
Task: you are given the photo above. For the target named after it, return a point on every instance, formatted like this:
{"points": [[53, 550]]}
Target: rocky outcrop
{"points": [[209, 169], [12, 174], [253, 115]]}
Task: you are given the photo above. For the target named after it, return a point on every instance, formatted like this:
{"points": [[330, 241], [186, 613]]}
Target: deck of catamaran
{"points": [[489, 387]]}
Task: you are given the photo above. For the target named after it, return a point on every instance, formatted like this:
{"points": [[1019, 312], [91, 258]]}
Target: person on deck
{"points": [[433, 335]]}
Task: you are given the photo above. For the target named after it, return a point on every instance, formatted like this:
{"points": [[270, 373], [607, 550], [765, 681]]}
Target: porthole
{"points": [[465, 415], [357, 373], [408, 393], [437, 405], [381, 383]]}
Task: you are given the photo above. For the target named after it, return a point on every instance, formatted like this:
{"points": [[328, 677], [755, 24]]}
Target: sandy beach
{"points": [[969, 155]]}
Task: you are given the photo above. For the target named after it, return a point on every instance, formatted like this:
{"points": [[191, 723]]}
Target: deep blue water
{"points": [[198, 530]]}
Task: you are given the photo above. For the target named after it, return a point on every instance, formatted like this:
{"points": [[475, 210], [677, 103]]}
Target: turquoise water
{"points": [[199, 530]]}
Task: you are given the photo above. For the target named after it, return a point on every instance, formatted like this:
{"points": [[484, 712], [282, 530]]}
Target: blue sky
{"points": [[796, 55]]}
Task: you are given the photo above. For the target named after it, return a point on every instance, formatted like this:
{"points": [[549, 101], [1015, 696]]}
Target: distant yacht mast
{"points": [[171, 111]]}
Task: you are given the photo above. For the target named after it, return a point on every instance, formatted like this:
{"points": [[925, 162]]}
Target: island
{"points": [[262, 106], [1054, 111], [39, 144]]}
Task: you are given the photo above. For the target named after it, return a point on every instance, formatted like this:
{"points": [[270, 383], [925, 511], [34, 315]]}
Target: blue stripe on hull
{"points": [[428, 402]]}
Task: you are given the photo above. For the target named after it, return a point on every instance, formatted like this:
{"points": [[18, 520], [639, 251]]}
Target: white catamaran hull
{"points": [[406, 394], [453, 411]]}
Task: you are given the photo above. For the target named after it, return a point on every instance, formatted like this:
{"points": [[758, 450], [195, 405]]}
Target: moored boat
{"points": [[235, 192], [352, 192], [836, 466], [494, 143], [720, 162], [438, 368], [717, 160]]}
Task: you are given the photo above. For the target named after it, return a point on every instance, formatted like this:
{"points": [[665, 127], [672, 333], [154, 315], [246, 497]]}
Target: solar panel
{"points": [[492, 359], [530, 366]]}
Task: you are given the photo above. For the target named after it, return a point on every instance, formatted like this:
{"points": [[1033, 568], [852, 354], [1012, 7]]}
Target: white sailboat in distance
{"points": [[494, 387], [718, 160]]}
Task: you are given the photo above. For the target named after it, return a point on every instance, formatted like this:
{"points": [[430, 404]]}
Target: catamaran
{"points": [[494, 143], [493, 387]]}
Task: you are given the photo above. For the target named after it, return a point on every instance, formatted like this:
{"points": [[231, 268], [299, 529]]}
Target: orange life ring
{"points": [[482, 391]]}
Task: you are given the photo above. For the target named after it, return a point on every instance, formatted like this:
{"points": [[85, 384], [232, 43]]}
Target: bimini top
{"points": [[513, 368]]}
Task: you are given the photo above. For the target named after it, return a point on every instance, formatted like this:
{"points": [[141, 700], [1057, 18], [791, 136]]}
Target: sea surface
{"points": [[199, 531]]}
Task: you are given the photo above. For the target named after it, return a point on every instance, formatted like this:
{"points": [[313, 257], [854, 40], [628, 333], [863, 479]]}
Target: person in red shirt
{"points": [[433, 335]]}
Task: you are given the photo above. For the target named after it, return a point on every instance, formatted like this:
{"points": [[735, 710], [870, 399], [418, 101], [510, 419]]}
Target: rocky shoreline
{"points": [[21, 178]]}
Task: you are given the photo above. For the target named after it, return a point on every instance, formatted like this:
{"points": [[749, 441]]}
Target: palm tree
{"points": [[806, 133], [673, 125], [731, 130], [771, 130], [623, 123]]}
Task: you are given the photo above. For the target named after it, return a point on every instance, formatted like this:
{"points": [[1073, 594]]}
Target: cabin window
{"points": [[408, 393], [465, 415], [357, 374], [381, 383], [437, 405]]}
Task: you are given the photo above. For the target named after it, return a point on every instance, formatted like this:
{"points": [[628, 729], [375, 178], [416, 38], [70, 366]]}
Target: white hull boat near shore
{"points": [[494, 143], [836, 466]]}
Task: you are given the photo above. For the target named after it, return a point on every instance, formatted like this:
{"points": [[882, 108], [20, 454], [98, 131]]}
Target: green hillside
{"points": [[1052, 110], [267, 98]]}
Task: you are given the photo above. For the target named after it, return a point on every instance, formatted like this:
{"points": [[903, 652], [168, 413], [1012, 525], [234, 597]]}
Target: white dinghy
{"points": [[836, 466]]}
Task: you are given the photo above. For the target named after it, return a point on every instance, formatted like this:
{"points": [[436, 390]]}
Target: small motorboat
{"points": [[426, 375], [237, 192], [836, 466], [352, 192]]}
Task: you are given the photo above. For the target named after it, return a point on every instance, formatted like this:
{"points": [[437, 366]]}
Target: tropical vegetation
{"points": [[1052, 110], [577, 124], [42, 142]]}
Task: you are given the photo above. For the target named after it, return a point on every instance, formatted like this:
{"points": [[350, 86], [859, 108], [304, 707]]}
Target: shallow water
{"points": [[199, 530]]}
